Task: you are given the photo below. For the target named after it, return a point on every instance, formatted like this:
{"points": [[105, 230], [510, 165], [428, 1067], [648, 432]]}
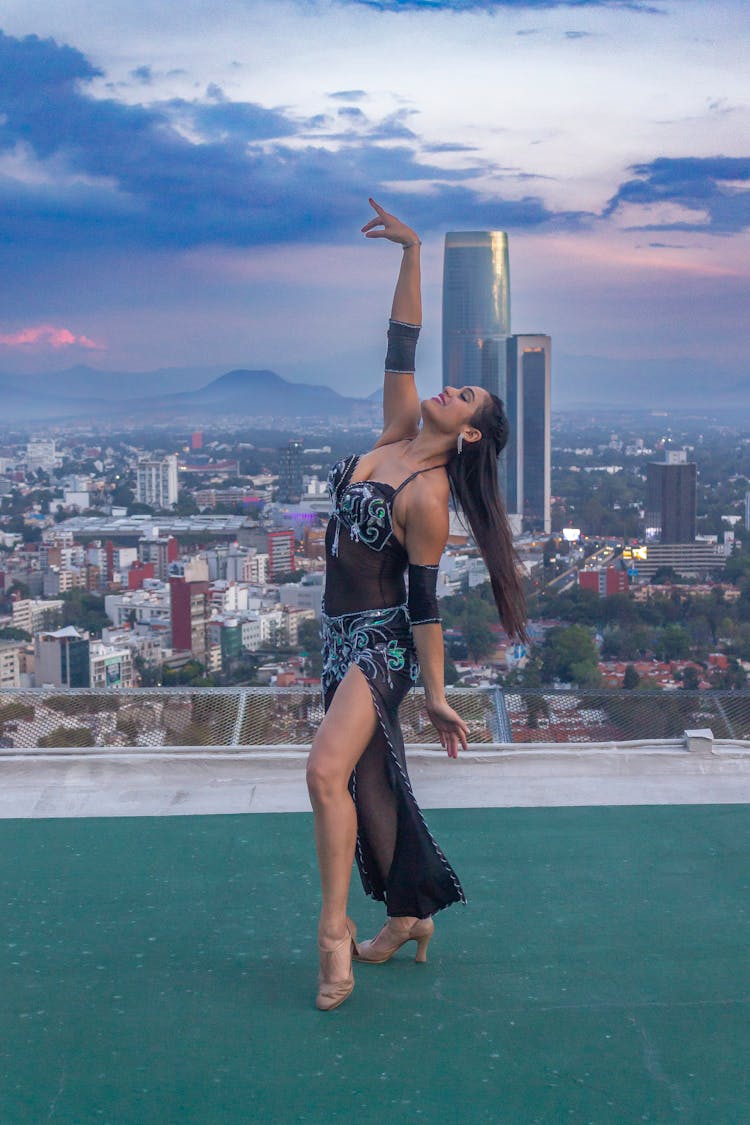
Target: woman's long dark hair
{"points": [[476, 492]]}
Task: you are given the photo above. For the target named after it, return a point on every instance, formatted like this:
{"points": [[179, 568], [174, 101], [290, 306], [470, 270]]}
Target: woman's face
{"points": [[452, 410]]}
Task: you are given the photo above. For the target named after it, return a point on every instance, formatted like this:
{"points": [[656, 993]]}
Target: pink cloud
{"points": [[47, 336]]}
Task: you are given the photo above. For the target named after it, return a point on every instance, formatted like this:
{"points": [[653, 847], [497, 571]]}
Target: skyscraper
{"points": [[529, 449], [478, 349], [671, 487], [476, 309]]}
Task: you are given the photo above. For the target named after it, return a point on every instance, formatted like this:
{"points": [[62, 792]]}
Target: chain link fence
{"points": [[246, 717]]}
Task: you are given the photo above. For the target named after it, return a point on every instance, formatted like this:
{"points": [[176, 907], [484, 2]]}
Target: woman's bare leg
{"points": [[342, 737]]}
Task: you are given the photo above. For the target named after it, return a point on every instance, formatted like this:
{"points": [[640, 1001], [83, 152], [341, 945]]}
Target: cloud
{"points": [[177, 173], [712, 193], [47, 336], [349, 95], [448, 146], [496, 5]]}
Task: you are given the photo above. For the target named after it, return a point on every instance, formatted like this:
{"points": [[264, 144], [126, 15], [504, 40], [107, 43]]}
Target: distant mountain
{"points": [[265, 392], [85, 394]]}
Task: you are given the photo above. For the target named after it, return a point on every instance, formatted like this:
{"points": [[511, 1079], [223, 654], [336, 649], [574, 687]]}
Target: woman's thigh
{"points": [[347, 728]]}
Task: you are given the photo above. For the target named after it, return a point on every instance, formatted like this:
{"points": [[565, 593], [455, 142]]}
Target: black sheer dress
{"points": [[365, 622]]}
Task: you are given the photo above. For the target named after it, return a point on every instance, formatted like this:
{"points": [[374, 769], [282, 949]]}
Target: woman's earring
{"points": [[460, 442]]}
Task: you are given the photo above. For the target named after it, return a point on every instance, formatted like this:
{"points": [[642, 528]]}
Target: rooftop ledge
{"points": [[184, 752]]}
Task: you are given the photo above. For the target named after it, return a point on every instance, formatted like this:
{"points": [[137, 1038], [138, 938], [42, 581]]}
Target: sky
{"points": [[183, 184]]}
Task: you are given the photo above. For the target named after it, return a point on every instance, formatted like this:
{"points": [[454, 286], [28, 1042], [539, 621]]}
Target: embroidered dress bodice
{"points": [[365, 562]]}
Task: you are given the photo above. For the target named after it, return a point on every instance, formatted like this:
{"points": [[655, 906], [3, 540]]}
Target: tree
{"points": [[480, 640], [631, 679], [690, 681], [731, 678], [450, 672], [673, 643], [308, 638], [84, 611], [10, 633], [570, 654], [663, 575]]}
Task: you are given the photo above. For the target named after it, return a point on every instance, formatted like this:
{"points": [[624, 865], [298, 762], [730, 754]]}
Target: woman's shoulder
{"points": [[341, 469]]}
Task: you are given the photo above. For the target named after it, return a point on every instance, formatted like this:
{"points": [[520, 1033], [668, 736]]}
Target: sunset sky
{"points": [[183, 184]]}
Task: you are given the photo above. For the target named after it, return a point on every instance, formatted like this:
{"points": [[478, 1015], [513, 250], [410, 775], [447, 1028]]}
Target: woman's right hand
{"points": [[393, 229], [452, 730]]}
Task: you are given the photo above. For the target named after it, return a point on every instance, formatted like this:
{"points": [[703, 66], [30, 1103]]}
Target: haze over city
{"points": [[180, 185]]}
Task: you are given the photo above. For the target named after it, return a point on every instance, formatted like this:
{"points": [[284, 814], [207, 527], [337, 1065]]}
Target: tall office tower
{"points": [[156, 481], [290, 473], [476, 309], [61, 658], [529, 450], [671, 487]]}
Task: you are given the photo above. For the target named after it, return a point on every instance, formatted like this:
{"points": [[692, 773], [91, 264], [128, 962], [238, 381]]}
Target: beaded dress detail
{"points": [[366, 622]]}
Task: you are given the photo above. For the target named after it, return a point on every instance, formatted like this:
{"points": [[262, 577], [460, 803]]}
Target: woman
{"points": [[390, 514]]}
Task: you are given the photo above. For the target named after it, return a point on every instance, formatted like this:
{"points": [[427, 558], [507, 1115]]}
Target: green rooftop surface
{"points": [[162, 970]]}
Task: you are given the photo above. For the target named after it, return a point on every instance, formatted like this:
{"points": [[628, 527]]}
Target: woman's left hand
{"points": [[393, 229], [450, 726]]}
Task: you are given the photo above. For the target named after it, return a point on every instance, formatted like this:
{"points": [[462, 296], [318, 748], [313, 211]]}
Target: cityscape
{"points": [[158, 556]]}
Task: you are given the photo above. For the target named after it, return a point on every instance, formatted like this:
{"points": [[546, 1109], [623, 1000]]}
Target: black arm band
{"points": [[402, 347], [422, 603]]}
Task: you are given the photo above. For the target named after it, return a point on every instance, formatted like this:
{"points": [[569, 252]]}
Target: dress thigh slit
{"points": [[398, 859]]}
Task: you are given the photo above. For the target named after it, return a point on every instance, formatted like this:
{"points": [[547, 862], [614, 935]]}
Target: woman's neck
{"points": [[428, 448]]}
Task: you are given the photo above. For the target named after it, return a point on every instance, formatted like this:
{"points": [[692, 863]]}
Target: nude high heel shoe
{"points": [[392, 937], [332, 993]]}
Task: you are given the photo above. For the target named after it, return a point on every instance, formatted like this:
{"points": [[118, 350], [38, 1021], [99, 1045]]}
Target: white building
{"points": [[228, 597], [156, 481], [10, 664], [149, 606], [255, 568], [110, 666], [41, 454], [251, 633], [79, 500], [33, 614]]}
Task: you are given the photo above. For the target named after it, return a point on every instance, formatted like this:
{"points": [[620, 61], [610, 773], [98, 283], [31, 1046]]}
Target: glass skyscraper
{"points": [[478, 349], [476, 309], [529, 449]]}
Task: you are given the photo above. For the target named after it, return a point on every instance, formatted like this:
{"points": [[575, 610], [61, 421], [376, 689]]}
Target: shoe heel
{"points": [[422, 943]]}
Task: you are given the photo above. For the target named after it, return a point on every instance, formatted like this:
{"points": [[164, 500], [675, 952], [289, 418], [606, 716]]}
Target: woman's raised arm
{"points": [[401, 410]]}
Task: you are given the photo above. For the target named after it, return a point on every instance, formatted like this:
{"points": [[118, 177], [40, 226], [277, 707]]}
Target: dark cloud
{"points": [[449, 146], [143, 74], [135, 176], [578, 34], [349, 95], [353, 112], [497, 5], [700, 184]]}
